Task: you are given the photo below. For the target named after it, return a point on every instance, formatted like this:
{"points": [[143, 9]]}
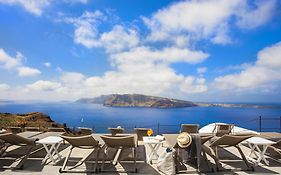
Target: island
{"points": [[137, 100]]}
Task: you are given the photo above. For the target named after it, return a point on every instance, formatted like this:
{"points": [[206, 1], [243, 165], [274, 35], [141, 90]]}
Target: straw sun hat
{"points": [[184, 139]]}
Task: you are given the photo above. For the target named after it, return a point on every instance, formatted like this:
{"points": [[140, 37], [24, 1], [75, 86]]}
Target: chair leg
{"points": [[250, 168], [97, 159], [135, 159], [217, 152], [27, 154], [211, 153], [118, 156], [103, 159], [206, 160], [3, 148], [66, 160], [81, 161]]}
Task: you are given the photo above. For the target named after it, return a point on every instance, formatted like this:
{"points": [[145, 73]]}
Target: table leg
{"points": [[153, 151], [49, 153], [56, 151], [263, 154], [252, 147], [150, 156]]}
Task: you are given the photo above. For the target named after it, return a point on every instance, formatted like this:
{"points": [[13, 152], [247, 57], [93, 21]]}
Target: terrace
{"points": [[231, 159]]}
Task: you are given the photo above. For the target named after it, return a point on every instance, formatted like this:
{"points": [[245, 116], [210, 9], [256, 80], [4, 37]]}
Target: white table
{"points": [[254, 143], [51, 145], [154, 144]]}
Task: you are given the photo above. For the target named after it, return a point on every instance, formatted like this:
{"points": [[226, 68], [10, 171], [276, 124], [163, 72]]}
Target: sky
{"points": [[198, 50]]}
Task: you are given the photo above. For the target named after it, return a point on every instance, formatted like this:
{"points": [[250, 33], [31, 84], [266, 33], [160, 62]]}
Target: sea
{"points": [[99, 117]]}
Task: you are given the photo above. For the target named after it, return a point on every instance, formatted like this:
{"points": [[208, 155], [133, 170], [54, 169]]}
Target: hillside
{"points": [[137, 100], [34, 119]]}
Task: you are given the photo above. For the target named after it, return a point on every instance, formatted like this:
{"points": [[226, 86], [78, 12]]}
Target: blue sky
{"points": [[218, 50]]}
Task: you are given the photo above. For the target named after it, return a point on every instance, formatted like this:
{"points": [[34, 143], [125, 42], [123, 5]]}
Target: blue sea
{"points": [[100, 117]]}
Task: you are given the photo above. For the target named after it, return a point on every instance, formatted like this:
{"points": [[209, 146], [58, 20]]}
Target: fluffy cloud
{"points": [[145, 55], [146, 70], [41, 85], [87, 34], [119, 38], [203, 19], [192, 85], [27, 71], [138, 70], [37, 7], [249, 17], [33, 6], [86, 31], [265, 71], [4, 87], [9, 62]]}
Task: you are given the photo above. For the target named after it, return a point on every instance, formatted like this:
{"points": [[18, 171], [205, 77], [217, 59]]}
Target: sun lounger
{"points": [[197, 141], [222, 129], [81, 142], [29, 132], [32, 129], [14, 139], [85, 131], [141, 132], [224, 142], [14, 130], [115, 131], [189, 128], [55, 129], [119, 142]]}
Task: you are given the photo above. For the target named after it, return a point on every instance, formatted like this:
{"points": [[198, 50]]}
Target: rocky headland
{"points": [[33, 119]]}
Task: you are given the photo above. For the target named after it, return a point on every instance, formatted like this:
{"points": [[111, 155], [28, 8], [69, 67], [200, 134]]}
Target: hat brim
{"points": [[187, 144]]}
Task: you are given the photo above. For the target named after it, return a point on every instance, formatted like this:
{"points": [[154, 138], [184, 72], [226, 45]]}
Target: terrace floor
{"points": [[33, 165]]}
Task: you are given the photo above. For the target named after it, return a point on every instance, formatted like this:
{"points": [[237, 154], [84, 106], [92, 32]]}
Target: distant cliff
{"points": [[137, 100], [34, 119]]}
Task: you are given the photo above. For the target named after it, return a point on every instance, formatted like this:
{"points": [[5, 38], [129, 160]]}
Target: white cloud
{"points": [[202, 70], [28, 71], [265, 71], [86, 31], [4, 87], [192, 85], [252, 17], [119, 38], [167, 55], [33, 6], [42, 85], [47, 64], [9, 62], [76, 1], [270, 57], [204, 19], [72, 77], [149, 73]]}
